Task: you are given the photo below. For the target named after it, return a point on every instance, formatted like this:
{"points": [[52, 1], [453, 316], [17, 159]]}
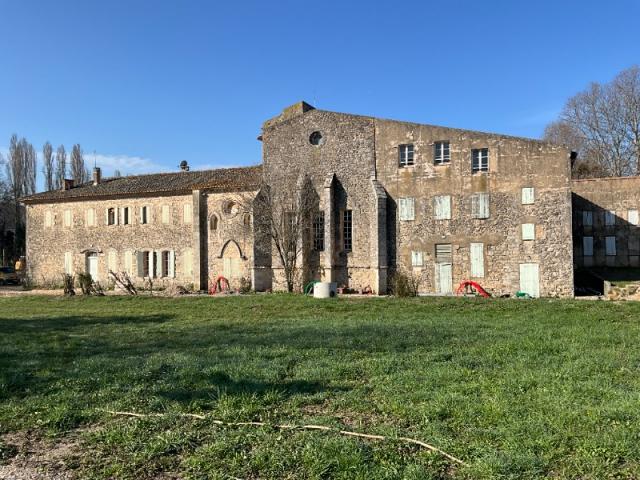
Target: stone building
{"points": [[441, 204]]}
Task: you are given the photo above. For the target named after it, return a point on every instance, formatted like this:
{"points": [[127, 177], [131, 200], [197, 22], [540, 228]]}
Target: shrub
{"points": [[405, 283]]}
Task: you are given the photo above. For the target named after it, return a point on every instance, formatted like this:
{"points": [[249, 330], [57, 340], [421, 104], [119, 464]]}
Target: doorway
{"points": [[92, 265]]}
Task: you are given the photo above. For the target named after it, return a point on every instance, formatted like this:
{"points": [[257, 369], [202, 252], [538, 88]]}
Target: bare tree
{"points": [[48, 166], [284, 220], [61, 167], [116, 173], [603, 124], [79, 172]]}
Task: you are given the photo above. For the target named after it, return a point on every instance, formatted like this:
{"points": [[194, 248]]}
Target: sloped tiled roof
{"points": [[218, 180]]}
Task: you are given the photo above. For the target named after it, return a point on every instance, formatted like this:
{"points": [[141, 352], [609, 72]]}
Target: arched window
{"points": [[213, 223], [247, 219]]}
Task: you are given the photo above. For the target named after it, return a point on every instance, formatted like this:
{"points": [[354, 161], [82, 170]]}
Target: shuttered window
{"points": [[587, 246], [48, 218], [68, 218], [112, 261], [417, 259], [407, 208], [188, 217], [480, 205], [68, 263], [610, 246], [528, 195], [128, 262], [442, 207], [443, 252], [587, 218], [166, 218], [528, 231], [477, 259], [609, 217], [144, 215], [187, 263], [405, 155], [632, 217]]}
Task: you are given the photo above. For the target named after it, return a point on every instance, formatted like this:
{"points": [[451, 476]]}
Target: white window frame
{"points": [[68, 263], [417, 258], [528, 196], [480, 205], [128, 262], [166, 214], [483, 160], [477, 269], [442, 207], [407, 208], [610, 246], [406, 155], [441, 152], [587, 246], [528, 231], [187, 213]]}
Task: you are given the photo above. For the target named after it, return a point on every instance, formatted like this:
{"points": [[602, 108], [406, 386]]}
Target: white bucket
{"points": [[325, 289]]}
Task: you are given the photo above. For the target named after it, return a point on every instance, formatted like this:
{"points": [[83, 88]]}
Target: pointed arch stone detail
{"points": [[229, 242]]}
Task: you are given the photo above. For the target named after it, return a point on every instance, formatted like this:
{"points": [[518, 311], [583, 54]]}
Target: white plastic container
{"points": [[325, 290]]}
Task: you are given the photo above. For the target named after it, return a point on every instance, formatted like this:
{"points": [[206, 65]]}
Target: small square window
{"points": [[417, 259], [441, 153], [479, 160], [405, 155], [528, 231], [528, 196]]}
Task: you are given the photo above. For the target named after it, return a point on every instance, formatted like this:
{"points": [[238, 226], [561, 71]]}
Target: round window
{"points": [[316, 138]]}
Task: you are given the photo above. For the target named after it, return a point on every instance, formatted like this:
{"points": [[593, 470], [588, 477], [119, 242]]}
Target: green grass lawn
{"points": [[518, 389]]}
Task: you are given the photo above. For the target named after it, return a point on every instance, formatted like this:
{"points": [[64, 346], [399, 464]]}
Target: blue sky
{"points": [[145, 84]]}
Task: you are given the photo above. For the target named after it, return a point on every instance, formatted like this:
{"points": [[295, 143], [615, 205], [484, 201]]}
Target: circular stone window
{"points": [[316, 138], [230, 208]]}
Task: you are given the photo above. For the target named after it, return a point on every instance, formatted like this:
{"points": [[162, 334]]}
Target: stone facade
{"points": [[605, 222], [442, 205]]}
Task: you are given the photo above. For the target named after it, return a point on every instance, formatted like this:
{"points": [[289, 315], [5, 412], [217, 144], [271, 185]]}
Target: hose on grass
{"points": [[299, 427]]}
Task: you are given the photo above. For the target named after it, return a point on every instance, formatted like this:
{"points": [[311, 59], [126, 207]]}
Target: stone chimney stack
{"points": [[97, 175], [67, 184]]}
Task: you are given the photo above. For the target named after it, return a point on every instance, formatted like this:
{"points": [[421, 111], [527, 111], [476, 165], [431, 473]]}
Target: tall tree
{"points": [[79, 172], [61, 167], [48, 166], [603, 124]]}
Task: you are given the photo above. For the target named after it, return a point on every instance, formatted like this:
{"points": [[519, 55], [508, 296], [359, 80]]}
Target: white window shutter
{"points": [[528, 231], [446, 207], [128, 262], [632, 217], [477, 259], [106, 216], [587, 246], [68, 263], [417, 259], [140, 262], [187, 262], [149, 214], [151, 264], [528, 195], [483, 207], [187, 213], [172, 264], [411, 209], [159, 270]]}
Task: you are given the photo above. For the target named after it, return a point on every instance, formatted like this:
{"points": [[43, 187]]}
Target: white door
{"points": [[92, 265], [231, 268], [529, 280], [444, 284]]}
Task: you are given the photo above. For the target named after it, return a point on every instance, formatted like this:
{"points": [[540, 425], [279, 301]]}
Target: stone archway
{"points": [[232, 260]]}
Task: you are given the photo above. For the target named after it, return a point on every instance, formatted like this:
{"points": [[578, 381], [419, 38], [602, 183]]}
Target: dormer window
{"points": [[405, 155]]}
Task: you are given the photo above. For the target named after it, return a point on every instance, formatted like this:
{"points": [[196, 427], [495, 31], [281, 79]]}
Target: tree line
{"points": [[20, 175], [602, 124]]}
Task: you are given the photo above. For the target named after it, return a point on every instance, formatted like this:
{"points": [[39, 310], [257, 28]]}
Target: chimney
{"points": [[184, 166], [68, 184], [97, 175]]}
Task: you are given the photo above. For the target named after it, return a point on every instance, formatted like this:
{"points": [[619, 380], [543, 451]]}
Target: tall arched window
{"points": [[213, 223]]}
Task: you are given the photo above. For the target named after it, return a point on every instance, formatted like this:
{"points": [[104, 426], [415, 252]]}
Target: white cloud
{"points": [[128, 165]]}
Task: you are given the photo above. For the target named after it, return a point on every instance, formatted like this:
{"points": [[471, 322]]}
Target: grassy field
{"points": [[517, 389]]}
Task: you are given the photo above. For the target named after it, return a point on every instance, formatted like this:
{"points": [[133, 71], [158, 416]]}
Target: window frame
{"points": [[584, 243], [406, 209], [607, 244], [482, 160], [528, 195], [406, 155], [528, 231], [441, 152], [318, 232], [439, 212], [417, 258], [347, 230]]}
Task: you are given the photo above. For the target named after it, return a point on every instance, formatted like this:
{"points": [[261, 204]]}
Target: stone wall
{"points": [[46, 246], [620, 196], [514, 163]]}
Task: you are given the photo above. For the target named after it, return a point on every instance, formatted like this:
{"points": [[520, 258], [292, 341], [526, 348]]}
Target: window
{"points": [[167, 264], [144, 215], [479, 160], [112, 261], [144, 262], [316, 139], [128, 262], [48, 218], [68, 218], [91, 217], [125, 216], [318, 232], [477, 259], [213, 223], [246, 219], [587, 218], [610, 246], [187, 263], [528, 231], [609, 217], [417, 259], [347, 230], [632, 217], [166, 214], [443, 252], [528, 195], [68, 263], [480, 205], [407, 208], [442, 207], [164, 271], [111, 216], [587, 246], [186, 213], [441, 153], [405, 155]]}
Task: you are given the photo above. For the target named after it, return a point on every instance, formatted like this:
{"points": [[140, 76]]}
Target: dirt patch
{"points": [[33, 457]]}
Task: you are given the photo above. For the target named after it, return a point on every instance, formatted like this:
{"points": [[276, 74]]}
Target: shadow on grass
{"points": [[44, 325]]}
